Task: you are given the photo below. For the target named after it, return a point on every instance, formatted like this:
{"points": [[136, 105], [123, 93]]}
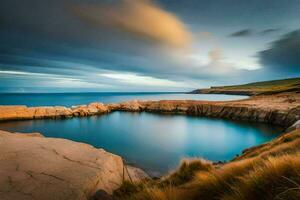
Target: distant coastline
{"points": [[257, 88]]}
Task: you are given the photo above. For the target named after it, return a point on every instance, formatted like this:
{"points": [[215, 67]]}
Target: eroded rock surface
{"points": [[34, 167]]}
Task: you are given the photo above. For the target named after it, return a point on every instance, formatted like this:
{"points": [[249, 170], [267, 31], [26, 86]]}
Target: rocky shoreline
{"points": [[280, 109], [34, 167]]}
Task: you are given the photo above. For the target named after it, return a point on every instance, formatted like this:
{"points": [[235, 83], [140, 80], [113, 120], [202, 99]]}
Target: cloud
{"points": [[141, 18], [269, 31], [250, 32], [215, 55], [136, 79], [242, 33], [283, 54]]}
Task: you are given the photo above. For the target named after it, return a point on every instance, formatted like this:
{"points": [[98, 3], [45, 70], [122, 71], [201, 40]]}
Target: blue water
{"points": [[70, 99], [156, 143]]}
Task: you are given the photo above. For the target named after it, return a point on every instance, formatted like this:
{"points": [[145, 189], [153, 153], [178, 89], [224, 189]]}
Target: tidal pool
{"points": [[155, 143]]}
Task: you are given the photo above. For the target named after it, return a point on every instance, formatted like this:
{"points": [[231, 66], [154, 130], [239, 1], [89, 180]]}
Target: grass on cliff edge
{"points": [[272, 174], [266, 87]]}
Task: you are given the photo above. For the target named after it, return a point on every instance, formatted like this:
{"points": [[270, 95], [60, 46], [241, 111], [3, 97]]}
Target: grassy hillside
{"points": [[269, 171], [266, 87]]}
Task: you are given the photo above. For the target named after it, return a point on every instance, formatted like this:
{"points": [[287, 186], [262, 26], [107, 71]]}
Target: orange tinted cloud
{"points": [[141, 18]]}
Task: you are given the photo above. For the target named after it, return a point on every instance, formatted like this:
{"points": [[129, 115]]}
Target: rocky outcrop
{"points": [[270, 109], [283, 109], [24, 112], [91, 109], [34, 167], [130, 106]]}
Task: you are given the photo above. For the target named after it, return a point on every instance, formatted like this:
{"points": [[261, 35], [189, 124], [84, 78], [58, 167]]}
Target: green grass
{"points": [[267, 87]]}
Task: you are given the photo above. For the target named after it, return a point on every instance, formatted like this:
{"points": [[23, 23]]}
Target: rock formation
{"points": [[273, 109], [24, 112], [34, 167]]}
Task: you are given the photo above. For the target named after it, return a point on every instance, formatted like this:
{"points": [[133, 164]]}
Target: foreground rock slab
{"points": [[35, 167]]}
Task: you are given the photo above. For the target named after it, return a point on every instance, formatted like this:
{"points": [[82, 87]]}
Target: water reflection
{"points": [[154, 142]]}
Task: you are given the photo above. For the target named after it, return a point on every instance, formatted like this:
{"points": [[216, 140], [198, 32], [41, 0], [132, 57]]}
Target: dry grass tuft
{"points": [[275, 178], [271, 171], [186, 171]]}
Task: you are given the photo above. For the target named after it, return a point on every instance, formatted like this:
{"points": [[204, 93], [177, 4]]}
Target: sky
{"points": [[145, 45]]}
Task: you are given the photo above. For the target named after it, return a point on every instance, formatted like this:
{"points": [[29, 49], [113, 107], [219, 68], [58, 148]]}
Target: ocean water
{"points": [[153, 142], [70, 99]]}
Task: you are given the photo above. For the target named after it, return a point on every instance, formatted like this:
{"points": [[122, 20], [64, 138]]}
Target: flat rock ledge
{"points": [[33, 167], [24, 112]]}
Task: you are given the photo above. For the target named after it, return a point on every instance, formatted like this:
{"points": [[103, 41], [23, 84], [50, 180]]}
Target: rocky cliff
{"points": [[34, 167], [281, 109]]}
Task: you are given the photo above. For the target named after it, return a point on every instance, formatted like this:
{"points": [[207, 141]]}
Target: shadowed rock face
{"points": [[34, 167]]}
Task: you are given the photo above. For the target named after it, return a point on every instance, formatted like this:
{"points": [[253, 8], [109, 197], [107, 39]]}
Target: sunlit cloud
{"points": [[141, 18]]}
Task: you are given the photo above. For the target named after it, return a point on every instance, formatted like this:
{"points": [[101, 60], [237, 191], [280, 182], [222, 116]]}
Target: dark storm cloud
{"points": [[284, 54], [242, 33]]}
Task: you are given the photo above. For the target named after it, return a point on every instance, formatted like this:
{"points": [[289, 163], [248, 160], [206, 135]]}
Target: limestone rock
{"points": [[34, 167], [16, 112], [91, 109], [135, 174], [98, 107], [113, 106], [132, 106], [51, 112]]}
